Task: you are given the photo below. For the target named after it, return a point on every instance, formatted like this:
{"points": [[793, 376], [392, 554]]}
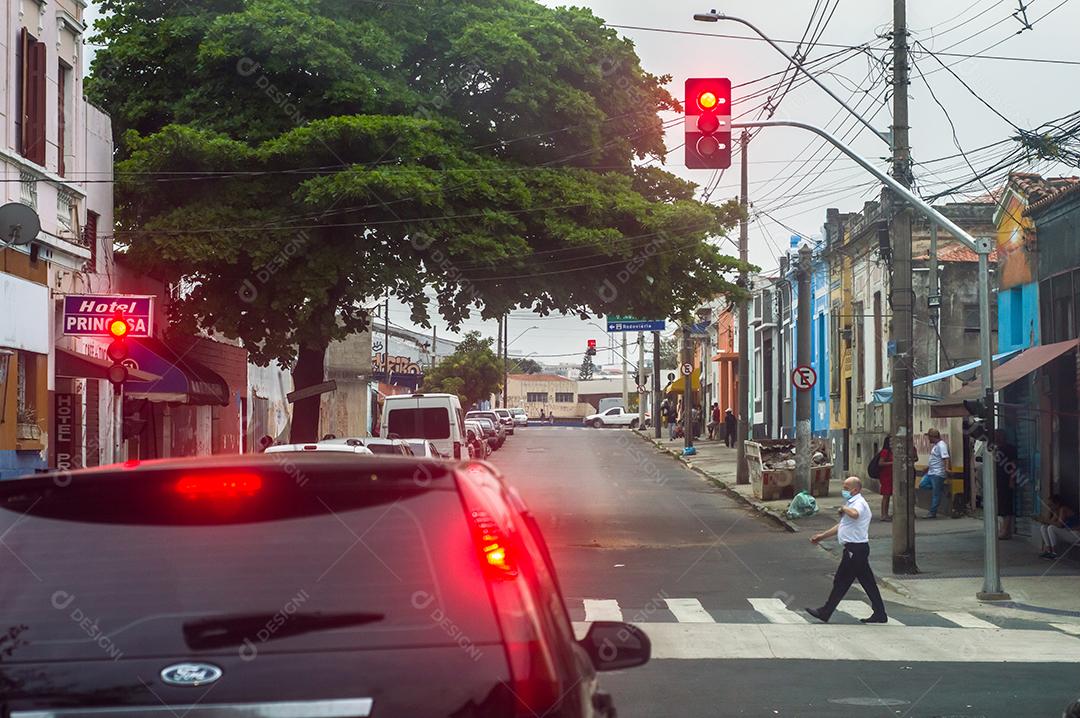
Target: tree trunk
{"points": [[308, 371]]}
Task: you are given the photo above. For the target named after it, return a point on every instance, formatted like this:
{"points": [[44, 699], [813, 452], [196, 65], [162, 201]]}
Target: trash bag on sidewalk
{"points": [[801, 506]]}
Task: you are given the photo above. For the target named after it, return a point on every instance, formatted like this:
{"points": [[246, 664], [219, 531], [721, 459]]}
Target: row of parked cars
{"points": [[337, 582]]}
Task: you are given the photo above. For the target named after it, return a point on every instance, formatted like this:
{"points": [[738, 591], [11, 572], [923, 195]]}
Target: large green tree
{"points": [[284, 163], [473, 372]]}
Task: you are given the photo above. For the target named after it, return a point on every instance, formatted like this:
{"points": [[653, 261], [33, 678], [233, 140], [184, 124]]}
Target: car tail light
{"points": [[219, 486], [533, 677]]}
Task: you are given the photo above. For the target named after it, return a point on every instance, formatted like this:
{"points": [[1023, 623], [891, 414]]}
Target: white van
{"points": [[435, 417]]}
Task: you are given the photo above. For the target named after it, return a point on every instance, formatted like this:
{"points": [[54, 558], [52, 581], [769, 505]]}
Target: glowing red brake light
{"points": [[219, 486], [493, 547]]}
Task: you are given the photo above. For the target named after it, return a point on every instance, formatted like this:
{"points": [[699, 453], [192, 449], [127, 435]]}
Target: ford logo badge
{"points": [[190, 674]]}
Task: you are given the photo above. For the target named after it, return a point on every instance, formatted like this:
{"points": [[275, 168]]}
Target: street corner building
{"points": [[57, 407]]}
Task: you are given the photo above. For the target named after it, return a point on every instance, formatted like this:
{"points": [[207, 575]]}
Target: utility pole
{"points": [[434, 346], [688, 391], [641, 403], [803, 331], [386, 339], [625, 390], [656, 384], [499, 352], [902, 299], [506, 357], [742, 470]]}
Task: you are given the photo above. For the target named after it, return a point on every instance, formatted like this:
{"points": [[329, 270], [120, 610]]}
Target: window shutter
{"points": [[90, 239], [20, 90], [61, 81], [35, 148]]}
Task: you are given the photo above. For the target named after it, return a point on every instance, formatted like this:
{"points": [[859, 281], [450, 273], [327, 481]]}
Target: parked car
{"points": [[426, 449], [520, 417], [506, 418], [478, 443], [493, 431], [390, 447], [494, 418], [340, 447], [616, 416], [435, 417], [249, 544]]}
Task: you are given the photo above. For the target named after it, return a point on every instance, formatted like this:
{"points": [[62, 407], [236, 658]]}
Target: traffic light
{"points": [[978, 427], [708, 123], [591, 351], [118, 351]]}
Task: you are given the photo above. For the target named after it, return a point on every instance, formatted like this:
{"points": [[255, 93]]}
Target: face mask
{"points": [[846, 494]]}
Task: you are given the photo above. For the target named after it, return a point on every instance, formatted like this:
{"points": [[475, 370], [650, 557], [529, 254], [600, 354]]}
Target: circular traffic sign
{"points": [[803, 377], [687, 369]]}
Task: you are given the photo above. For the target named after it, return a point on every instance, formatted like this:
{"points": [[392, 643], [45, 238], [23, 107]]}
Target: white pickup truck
{"points": [[615, 416]]}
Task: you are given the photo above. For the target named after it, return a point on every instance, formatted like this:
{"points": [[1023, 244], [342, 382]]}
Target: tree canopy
{"points": [[525, 366], [286, 163], [473, 372]]}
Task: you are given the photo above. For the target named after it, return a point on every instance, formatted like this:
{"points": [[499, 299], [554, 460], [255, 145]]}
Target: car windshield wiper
{"points": [[234, 629]]}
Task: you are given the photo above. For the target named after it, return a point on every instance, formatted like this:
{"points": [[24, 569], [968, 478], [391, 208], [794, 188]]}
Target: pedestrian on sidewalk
{"points": [[731, 429], [853, 534], [714, 422], [937, 468], [1060, 528], [695, 421], [885, 464], [1006, 459]]}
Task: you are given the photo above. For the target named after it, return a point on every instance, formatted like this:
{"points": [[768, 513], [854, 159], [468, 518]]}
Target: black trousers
{"points": [[855, 564]]}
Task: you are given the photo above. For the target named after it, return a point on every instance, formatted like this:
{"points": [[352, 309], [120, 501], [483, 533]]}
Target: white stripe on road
{"points": [[860, 610], [775, 610], [965, 619], [855, 643], [688, 610], [602, 609], [1070, 628]]}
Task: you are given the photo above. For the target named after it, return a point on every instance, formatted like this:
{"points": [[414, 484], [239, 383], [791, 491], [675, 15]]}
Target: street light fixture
{"points": [[714, 16]]}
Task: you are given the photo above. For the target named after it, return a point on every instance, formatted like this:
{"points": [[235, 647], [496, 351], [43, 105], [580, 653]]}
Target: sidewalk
{"points": [[949, 551]]}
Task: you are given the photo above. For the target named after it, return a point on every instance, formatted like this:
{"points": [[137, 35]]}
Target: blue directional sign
{"points": [[631, 324]]}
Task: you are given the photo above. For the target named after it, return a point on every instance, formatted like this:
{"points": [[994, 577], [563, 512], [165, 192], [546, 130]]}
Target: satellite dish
{"points": [[19, 223]]}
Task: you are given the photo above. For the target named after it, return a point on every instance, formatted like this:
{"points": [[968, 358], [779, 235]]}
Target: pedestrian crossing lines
{"points": [[763, 628], [775, 611]]}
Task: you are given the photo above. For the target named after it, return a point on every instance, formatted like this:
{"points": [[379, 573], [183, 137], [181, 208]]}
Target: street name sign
{"points": [[632, 324], [306, 393], [88, 315], [804, 378]]}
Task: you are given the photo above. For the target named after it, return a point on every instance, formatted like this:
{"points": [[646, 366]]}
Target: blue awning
{"points": [[884, 394], [182, 379]]}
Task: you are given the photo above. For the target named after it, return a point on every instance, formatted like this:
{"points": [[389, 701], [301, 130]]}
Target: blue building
{"points": [[821, 317]]}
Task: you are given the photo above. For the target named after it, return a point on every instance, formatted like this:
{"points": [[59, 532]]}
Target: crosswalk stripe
{"points": [[1070, 628], [966, 620], [602, 609], [688, 610], [851, 643], [775, 610], [858, 609]]}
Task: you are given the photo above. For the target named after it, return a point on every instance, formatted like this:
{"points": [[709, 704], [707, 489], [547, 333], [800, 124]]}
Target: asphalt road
{"points": [[637, 536]]}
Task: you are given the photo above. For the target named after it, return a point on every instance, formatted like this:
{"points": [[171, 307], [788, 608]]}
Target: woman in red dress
{"points": [[885, 462]]}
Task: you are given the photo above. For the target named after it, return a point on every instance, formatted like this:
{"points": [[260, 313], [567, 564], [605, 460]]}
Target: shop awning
{"points": [[74, 365], [679, 385], [884, 394], [182, 379], [1008, 373]]}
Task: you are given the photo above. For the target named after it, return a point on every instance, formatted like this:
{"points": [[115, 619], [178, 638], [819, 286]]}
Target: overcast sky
{"points": [[793, 195]]}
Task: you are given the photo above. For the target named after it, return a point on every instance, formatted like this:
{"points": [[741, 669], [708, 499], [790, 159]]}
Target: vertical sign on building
{"points": [[66, 420]]}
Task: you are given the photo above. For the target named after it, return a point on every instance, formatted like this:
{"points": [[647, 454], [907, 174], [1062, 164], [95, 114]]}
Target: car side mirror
{"points": [[613, 645]]}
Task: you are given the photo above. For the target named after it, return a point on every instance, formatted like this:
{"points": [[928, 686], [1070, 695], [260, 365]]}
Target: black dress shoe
{"points": [[816, 613], [875, 619]]}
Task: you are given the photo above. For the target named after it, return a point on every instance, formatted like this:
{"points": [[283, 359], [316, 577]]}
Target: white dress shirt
{"points": [[855, 530]]}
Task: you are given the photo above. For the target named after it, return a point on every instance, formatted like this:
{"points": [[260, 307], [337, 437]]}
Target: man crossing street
{"points": [[852, 532]]}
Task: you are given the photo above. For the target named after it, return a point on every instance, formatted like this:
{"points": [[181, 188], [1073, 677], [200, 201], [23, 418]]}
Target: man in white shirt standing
{"points": [[937, 468], [852, 532]]}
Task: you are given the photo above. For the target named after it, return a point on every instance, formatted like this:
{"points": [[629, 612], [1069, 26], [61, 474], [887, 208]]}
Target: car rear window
{"points": [[131, 568], [385, 449], [423, 423]]}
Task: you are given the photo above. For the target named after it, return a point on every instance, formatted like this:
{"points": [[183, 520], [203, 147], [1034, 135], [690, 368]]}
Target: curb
{"points": [[757, 506], [893, 585]]}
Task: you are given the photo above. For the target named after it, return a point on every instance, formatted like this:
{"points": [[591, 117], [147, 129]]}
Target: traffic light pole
{"points": [[641, 403], [982, 247], [118, 423], [656, 384]]}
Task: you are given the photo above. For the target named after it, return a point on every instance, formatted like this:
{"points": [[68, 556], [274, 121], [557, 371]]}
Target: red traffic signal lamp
{"points": [[708, 123], [118, 350], [591, 350]]}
